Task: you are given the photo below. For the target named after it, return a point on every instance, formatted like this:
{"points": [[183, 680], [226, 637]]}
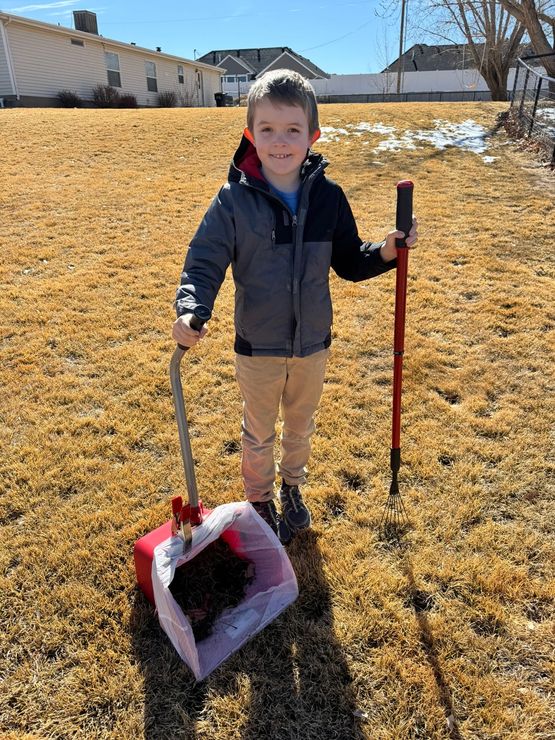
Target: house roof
{"points": [[260, 59], [236, 65], [424, 58], [86, 35]]}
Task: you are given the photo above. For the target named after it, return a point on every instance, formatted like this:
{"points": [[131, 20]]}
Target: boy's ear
{"points": [[315, 136], [247, 134]]}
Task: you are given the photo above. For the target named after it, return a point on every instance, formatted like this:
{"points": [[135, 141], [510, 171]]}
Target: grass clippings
{"points": [[213, 581], [452, 636]]}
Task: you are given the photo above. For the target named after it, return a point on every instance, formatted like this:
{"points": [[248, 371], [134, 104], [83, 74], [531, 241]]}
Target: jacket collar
{"points": [[245, 166]]}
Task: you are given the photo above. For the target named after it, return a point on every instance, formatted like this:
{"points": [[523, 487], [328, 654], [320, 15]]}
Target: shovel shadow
{"points": [[173, 700], [300, 685]]}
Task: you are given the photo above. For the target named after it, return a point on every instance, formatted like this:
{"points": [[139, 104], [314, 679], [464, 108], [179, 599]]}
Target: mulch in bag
{"points": [[256, 569], [214, 581]]}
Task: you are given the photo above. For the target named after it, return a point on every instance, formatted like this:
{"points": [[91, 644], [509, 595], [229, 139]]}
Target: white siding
{"points": [[46, 62], [5, 81], [212, 84]]}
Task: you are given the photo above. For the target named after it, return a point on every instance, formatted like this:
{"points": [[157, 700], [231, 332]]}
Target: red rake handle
{"points": [[403, 222]]}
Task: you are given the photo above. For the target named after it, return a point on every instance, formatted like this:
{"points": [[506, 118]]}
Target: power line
{"points": [[339, 38]]}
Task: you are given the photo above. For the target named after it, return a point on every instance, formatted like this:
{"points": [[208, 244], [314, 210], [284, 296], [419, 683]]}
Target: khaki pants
{"points": [[265, 382]]}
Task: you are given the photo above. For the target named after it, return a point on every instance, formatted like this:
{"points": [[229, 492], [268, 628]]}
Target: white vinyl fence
{"points": [[441, 84]]}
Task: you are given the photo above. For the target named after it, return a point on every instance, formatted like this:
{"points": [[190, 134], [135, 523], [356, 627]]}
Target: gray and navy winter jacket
{"points": [[280, 260]]}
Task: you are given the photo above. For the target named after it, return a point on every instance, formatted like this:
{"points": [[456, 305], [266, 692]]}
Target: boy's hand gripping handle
{"points": [[201, 315], [190, 514]]}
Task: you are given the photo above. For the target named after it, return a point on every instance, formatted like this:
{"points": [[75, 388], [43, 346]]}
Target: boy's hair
{"points": [[284, 87]]}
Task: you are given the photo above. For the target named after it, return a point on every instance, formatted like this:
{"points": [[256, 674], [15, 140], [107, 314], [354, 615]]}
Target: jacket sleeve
{"points": [[351, 258], [208, 257]]}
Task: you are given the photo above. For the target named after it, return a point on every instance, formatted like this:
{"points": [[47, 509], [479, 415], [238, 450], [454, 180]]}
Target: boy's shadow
{"points": [[300, 685]]}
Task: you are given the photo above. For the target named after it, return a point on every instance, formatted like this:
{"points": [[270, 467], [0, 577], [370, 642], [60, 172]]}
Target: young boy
{"points": [[281, 224]]}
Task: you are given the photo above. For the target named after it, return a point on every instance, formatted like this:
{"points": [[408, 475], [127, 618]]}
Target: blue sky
{"points": [[341, 37]]}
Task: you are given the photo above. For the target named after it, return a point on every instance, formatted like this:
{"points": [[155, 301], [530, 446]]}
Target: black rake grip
{"points": [[403, 219], [201, 314]]}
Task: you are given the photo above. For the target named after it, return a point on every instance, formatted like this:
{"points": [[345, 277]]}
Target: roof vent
{"points": [[84, 20]]}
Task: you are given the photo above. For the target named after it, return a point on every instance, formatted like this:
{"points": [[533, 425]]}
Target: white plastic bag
{"points": [[273, 588]]}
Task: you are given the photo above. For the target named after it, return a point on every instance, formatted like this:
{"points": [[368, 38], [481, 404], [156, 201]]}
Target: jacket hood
{"points": [[245, 165]]}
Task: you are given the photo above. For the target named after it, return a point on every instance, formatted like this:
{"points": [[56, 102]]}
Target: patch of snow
{"points": [[329, 133], [489, 160], [467, 135], [548, 113], [374, 128], [546, 117], [395, 145]]}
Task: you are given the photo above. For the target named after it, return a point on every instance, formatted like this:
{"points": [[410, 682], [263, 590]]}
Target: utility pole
{"points": [[401, 46]]}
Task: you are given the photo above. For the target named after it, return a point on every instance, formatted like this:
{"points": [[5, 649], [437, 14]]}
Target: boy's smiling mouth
{"points": [[280, 156]]}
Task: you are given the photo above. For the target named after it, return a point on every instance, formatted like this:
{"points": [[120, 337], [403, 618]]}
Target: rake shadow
{"points": [[420, 604], [300, 685]]}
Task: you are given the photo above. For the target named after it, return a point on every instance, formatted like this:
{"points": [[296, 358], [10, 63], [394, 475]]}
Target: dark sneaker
{"points": [[293, 508], [267, 510]]}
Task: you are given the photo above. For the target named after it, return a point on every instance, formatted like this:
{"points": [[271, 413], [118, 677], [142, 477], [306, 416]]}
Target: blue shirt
{"points": [[291, 200]]}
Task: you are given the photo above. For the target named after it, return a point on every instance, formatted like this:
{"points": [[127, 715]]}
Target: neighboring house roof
{"points": [[261, 60], [86, 35], [236, 65], [424, 58]]}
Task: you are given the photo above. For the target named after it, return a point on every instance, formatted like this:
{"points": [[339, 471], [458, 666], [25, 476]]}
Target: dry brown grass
{"points": [[97, 210]]}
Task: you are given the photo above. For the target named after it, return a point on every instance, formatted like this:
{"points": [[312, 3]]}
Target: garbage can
{"points": [[228, 100], [219, 98]]}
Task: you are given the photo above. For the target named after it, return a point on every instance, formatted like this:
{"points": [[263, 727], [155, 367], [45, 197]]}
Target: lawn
{"points": [[452, 636]]}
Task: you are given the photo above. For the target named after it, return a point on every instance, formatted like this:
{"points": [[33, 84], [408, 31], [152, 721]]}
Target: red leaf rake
{"points": [[394, 520]]}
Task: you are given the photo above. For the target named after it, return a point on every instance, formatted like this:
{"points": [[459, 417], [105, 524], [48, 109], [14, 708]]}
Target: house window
{"points": [[180, 75], [151, 82], [77, 42], [236, 78], [112, 67]]}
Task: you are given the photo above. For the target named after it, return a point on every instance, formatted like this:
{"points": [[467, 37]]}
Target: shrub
{"points": [[167, 99], [105, 96], [69, 99], [127, 100]]}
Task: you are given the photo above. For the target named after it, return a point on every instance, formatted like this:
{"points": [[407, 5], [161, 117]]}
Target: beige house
{"points": [[38, 60]]}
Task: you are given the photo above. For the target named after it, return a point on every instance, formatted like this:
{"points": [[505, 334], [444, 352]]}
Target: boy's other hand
{"points": [[389, 251], [184, 334]]}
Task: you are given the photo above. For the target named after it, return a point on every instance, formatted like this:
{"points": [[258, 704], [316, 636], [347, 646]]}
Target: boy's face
{"points": [[281, 137]]}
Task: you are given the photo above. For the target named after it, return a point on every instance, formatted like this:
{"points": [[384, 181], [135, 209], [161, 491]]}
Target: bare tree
{"points": [[492, 33], [535, 17]]}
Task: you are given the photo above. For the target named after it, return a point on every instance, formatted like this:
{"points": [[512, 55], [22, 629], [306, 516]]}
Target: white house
{"points": [[38, 60]]}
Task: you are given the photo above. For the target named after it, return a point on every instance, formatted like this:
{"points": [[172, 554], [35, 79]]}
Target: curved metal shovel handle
{"points": [[201, 315]]}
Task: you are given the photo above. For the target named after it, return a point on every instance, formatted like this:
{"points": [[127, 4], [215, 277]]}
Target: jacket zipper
{"points": [[294, 222]]}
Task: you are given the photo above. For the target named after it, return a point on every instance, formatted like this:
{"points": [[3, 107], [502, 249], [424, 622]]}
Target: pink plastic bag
{"points": [[273, 588]]}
